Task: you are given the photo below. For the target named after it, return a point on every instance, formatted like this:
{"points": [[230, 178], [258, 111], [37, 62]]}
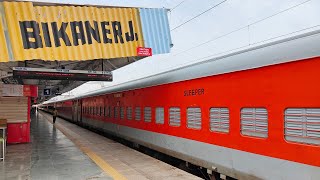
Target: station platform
{"points": [[67, 151]]}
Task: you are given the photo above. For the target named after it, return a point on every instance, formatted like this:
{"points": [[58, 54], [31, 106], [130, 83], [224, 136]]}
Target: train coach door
{"points": [[79, 119], [75, 111]]}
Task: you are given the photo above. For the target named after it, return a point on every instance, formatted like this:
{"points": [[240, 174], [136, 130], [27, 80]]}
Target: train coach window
{"points": [[109, 112], [121, 112], [174, 116], [219, 120], [194, 118], [302, 125], [147, 114], [160, 115], [254, 122], [129, 113], [138, 114], [101, 111], [115, 112]]}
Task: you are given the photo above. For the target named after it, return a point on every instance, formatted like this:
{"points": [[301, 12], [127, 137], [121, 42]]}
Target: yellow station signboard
{"points": [[3, 45], [30, 32]]}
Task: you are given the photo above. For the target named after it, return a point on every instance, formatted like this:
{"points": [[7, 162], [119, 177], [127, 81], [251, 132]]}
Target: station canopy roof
{"points": [[78, 37]]}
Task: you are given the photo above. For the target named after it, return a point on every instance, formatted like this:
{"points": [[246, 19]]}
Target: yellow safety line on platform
{"points": [[97, 159]]}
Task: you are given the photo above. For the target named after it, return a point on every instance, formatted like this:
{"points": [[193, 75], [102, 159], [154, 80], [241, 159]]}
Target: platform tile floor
{"points": [[50, 156], [65, 151], [127, 162]]}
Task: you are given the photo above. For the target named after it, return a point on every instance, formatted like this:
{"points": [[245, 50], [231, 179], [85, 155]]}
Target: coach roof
{"points": [[290, 49]]}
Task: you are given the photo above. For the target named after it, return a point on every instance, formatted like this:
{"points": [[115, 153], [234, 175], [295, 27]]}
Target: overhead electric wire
{"points": [[243, 27], [262, 41], [178, 5], [280, 12], [198, 15]]}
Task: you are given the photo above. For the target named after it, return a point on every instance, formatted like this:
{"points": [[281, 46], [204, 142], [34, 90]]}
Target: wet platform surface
{"points": [[67, 151], [50, 156]]}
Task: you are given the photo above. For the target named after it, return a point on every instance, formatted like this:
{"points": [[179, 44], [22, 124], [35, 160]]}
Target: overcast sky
{"points": [[227, 17]]}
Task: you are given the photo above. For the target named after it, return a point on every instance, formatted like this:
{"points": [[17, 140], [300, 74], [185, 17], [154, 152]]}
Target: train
{"points": [[249, 114]]}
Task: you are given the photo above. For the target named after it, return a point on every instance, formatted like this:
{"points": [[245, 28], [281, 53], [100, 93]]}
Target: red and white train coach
{"points": [[253, 114]]}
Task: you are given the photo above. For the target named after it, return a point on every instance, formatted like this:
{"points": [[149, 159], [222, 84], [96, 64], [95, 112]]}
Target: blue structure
{"points": [[156, 31]]}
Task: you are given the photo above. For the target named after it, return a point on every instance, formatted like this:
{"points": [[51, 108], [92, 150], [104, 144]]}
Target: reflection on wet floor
{"points": [[17, 163], [51, 155], [126, 162]]}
